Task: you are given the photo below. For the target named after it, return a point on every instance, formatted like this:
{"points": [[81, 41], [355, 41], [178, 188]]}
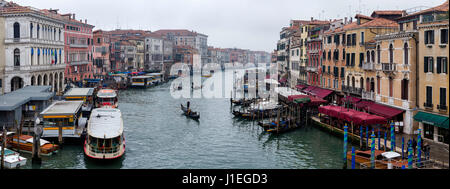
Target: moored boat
{"points": [[13, 160], [26, 145], [363, 157], [105, 138]]}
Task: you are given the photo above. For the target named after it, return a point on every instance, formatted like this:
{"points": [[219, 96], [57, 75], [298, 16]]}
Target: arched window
{"points": [[405, 51], [16, 30], [353, 82], [33, 80], [378, 54], [368, 56], [391, 85], [31, 30], [391, 53], [361, 84], [373, 56], [37, 31], [16, 57]]}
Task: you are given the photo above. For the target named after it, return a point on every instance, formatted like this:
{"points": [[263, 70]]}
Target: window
{"points": [[405, 89], [442, 96], [353, 59], [401, 26], [444, 36], [368, 56], [354, 39], [361, 59], [428, 64], [429, 97], [343, 38], [379, 54], [441, 64], [16, 57], [347, 62], [31, 30], [373, 56], [429, 37], [343, 54], [405, 53], [378, 85], [391, 53], [362, 37], [16, 30]]}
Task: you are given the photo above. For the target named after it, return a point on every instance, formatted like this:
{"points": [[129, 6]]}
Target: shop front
{"points": [[435, 127]]}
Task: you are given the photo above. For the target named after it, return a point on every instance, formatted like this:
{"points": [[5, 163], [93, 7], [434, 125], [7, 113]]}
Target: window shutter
{"points": [[425, 65], [431, 65], [432, 37]]}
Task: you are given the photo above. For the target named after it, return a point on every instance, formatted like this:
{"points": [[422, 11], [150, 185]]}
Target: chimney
{"points": [[85, 21], [345, 22], [73, 16], [312, 18], [351, 18]]}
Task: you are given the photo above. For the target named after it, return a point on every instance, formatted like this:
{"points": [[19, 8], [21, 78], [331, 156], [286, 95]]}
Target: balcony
{"points": [[77, 63], [368, 95], [428, 105], [353, 90], [33, 40], [442, 107], [369, 66], [28, 68], [388, 67], [311, 69], [74, 45]]}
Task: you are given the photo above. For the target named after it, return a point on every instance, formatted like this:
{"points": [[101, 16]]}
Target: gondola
{"points": [[191, 114]]}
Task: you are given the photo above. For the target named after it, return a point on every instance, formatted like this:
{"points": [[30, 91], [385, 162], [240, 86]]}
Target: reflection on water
{"points": [[159, 136]]}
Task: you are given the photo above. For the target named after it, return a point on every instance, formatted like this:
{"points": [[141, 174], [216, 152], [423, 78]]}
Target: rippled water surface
{"points": [[158, 136]]}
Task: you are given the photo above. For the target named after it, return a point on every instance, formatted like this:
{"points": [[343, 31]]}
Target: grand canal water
{"points": [[158, 136]]}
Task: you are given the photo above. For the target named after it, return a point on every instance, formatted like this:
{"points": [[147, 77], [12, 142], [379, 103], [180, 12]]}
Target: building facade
{"points": [[33, 48]]}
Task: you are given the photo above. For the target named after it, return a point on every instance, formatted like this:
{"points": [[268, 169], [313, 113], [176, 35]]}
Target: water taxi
{"points": [[143, 81], [82, 94], [105, 139], [107, 98], [25, 144], [63, 119], [13, 160]]}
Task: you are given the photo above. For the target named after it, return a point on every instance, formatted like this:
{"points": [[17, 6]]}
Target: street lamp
{"points": [[36, 141]]}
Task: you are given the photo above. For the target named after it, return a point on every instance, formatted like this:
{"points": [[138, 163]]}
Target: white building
{"points": [[33, 46], [154, 47]]}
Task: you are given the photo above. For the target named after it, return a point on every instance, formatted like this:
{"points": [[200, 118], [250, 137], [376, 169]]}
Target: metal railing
{"points": [[368, 95], [388, 67], [352, 90], [368, 66]]}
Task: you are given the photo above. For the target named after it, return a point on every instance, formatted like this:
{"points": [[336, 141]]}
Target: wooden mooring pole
{"points": [[3, 147]]}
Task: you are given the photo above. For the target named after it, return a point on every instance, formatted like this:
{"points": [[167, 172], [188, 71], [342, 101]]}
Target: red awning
{"points": [[368, 119], [316, 101], [321, 93], [363, 104], [300, 87], [293, 97], [347, 115], [385, 111], [309, 88], [283, 80], [351, 99]]}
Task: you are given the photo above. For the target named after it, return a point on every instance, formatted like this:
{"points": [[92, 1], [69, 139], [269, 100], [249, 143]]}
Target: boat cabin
{"points": [[156, 77], [82, 94], [106, 98], [63, 119], [141, 81]]}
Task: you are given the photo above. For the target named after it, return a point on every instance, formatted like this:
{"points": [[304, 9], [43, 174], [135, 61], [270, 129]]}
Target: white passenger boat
{"points": [[105, 139], [143, 81], [156, 77], [107, 98], [13, 160]]}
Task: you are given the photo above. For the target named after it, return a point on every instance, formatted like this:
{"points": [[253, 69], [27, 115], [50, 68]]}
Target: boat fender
{"points": [[18, 165]]}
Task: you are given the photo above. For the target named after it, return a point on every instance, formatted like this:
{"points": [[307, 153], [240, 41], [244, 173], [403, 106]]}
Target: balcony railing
{"points": [[352, 90], [388, 67], [75, 45], [368, 66], [311, 69], [427, 105], [368, 95], [442, 107], [28, 68]]}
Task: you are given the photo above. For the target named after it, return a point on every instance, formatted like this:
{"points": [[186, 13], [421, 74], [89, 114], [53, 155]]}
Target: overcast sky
{"points": [[248, 24]]}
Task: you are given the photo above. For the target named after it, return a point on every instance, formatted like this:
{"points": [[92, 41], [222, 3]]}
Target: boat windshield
{"points": [[9, 152], [100, 145], [53, 122]]}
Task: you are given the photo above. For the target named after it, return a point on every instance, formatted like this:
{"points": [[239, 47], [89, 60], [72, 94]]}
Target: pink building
{"points": [[101, 62]]}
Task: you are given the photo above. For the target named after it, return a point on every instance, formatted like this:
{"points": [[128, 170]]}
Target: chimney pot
{"points": [[73, 16], [345, 20], [312, 18]]}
